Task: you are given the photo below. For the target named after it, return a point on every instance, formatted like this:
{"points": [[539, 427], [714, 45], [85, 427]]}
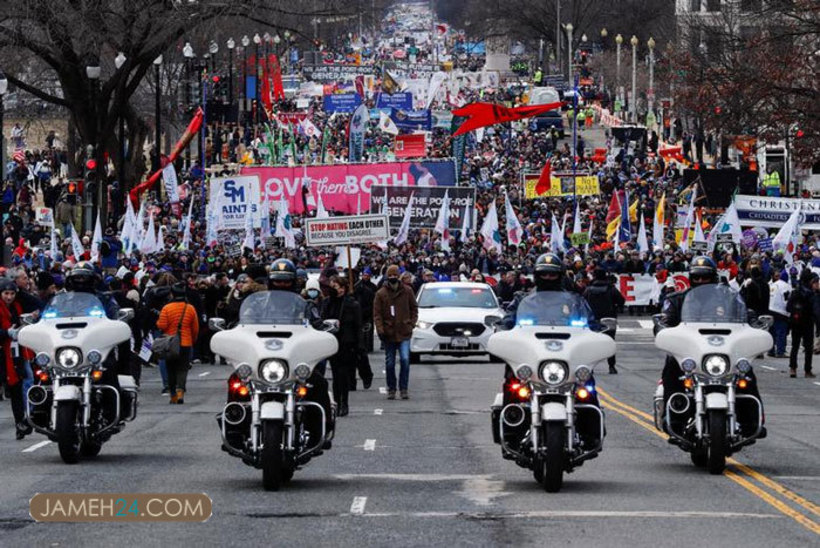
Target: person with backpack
{"points": [[802, 320], [179, 317]]}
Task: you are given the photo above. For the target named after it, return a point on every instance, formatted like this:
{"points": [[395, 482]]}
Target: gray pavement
{"points": [[425, 472]]}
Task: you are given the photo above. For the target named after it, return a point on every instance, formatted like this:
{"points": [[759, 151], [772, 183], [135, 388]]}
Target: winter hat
{"points": [[393, 271]]}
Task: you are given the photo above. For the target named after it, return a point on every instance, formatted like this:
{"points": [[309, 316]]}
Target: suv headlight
{"points": [[715, 365], [553, 373], [424, 325], [69, 358], [273, 371]]}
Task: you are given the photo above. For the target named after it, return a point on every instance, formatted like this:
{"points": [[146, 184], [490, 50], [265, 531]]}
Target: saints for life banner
{"points": [[234, 198], [425, 205], [345, 188]]}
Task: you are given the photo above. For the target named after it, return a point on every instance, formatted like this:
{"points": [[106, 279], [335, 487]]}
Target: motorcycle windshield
{"points": [[554, 308], [74, 305], [273, 307], [713, 303]]}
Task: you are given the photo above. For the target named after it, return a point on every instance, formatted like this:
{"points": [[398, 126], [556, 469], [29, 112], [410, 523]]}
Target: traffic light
{"points": [[71, 193], [90, 177], [583, 58]]}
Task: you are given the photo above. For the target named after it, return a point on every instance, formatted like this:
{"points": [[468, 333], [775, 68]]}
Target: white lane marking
{"points": [[575, 514], [36, 446], [382, 390], [817, 383], [481, 491], [378, 411], [204, 373], [769, 368], [357, 508], [413, 477], [646, 324], [798, 478], [626, 330], [369, 445]]}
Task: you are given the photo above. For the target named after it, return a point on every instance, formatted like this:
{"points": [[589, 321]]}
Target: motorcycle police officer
{"points": [[703, 271], [283, 277]]}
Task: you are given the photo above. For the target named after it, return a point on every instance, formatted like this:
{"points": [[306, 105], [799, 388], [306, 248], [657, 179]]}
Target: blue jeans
{"points": [[780, 330], [28, 379], [163, 369], [390, 349]]}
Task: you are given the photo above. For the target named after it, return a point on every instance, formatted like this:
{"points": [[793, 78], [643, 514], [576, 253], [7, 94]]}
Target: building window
{"points": [[694, 5], [712, 5]]}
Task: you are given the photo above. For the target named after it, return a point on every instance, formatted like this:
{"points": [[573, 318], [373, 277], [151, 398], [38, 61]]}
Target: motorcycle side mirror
{"points": [[28, 319], [330, 326], [765, 322], [125, 314], [610, 324], [491, 321], [216, 324]]}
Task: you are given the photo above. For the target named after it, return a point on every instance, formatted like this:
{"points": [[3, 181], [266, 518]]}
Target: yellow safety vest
{"points": [[771, 180]]}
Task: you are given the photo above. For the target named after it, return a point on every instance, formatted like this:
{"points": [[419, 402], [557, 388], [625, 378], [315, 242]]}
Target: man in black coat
{"points": [[605, 299]]}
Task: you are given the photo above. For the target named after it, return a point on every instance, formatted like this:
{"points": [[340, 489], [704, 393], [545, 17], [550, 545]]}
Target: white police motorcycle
{"points": [[269, 422], [74, 343], [714, 345], [547, 418]]}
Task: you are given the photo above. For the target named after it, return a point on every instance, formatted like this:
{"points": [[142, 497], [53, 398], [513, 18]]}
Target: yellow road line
{"points": [[795, 515], [634, 415]]}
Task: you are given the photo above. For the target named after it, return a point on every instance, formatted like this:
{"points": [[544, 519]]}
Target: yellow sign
{"points": [[562, 185]]}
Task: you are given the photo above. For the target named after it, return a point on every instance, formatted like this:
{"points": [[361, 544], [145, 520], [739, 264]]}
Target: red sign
{"points": [[410, 146], [292, 117]]}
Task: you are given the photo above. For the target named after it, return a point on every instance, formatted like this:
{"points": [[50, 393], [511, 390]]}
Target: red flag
{"points": [[410, 146], [264, 90], [614, 208], [544, 180], [486, 114], [278, 87], [192, 129], [360, 86]]}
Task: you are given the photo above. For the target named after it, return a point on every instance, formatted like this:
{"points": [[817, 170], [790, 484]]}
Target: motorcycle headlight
{"points": [[302, 371], [688, 365], [524, 372], [273, 371], [583, 373], [715, 365], [94, 357], [553, 373], [244, 372], [743, 366], [424, 325], [69, 358], [42, 360]]}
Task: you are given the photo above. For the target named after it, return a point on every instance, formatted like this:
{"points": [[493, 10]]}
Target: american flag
{"points": [[19, 155]]}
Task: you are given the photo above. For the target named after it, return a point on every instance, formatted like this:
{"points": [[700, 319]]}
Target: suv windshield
{"points": [[74, 305], [273, 307], [713, 303], [555, 308], [465, 297]]}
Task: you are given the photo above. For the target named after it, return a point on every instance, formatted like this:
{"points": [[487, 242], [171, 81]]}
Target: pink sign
{"points": [[345, 188]]}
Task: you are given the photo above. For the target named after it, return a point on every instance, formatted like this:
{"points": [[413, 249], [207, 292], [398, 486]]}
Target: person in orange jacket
{"points": [[178, 314]]}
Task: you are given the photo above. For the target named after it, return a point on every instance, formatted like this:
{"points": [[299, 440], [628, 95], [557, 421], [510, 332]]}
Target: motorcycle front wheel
{"points": [[68, 431], [272, 461], [717, 442], [553, 463]]}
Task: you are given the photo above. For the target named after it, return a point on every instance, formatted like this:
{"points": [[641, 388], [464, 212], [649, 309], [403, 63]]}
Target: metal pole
{"points": [[633, 99], [202, 158], [652, 80], [558, 33], [158, 131], [188, 96], [230, 78], [257, 94], [2, 142], [569, 56], [574, 140], [618, 69]]}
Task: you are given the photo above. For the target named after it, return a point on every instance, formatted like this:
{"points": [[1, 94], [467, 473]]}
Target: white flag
{"points": [[169, 176], [443, 221], [643, 245], [576, 225], [283, 225], [514, 230], [53, 243], [309, 128], [96, 240], [149, 241], [404, 229], [435, 83], [466, 224], [699, 237], [212, 233], [730, 224], [658, 224], [785, 236], [139, 227], [556, 236], [321, 212], [186, 234], [249, 238], [589, 242], [76, 245], [687, 225], [490, 230], [161, 239], [386, 124]]}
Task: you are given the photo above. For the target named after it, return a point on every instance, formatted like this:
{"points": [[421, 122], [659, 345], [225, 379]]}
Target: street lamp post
{"points": [[4, 86], [188, 53], [157, 106], [119, 61], [651, 94], [256, 40], [618, 41], [604, 34], [569, 54], [289, 38], [244, 87], [231, 46], [632, 100], [93, 71]]}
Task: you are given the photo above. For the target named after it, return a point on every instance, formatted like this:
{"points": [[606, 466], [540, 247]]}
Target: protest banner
{"points": [[401, 100], [412, 120], [350, 230], [562, 185], [236, 197], [334, 73], [774, 212], [341, 102], [344, 188], [44, 216], [425, 205], [645, 289]]}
